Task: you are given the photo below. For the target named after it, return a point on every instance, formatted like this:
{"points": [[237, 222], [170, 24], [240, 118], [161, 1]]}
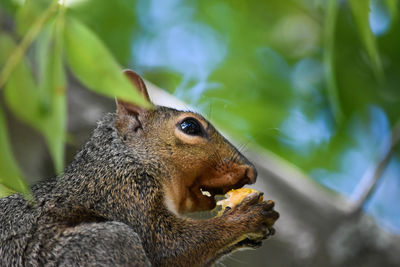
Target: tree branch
{"points": [[369, 188]]}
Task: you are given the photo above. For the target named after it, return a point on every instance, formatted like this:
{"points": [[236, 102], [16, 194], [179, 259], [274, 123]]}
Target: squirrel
{"points": [[122, 200]]}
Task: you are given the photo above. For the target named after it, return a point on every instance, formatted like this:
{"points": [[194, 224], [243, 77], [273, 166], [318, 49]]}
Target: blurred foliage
{"points": [[314, 81], [8, 167], [35, 86]]}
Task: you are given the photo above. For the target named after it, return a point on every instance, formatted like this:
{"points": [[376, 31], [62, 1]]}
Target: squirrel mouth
{"points": [[201, 194], [211, 192], [206, 195]]}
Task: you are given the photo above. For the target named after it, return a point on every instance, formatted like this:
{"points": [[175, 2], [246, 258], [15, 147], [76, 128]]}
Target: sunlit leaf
{"points": [[10, 176], [44, 45], [103, 23], [5, 191], [94, 66], [6, 46], [19, 52], [21, 93], [53, 86], [28, 13], [360, 10], [43, 107], [11, 179], [329, 65]]}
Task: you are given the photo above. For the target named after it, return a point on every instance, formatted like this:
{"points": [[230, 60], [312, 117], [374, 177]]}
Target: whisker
{"points": [[244, 146], [214, 163], [234, 156], [218, 155], [210, 110]]}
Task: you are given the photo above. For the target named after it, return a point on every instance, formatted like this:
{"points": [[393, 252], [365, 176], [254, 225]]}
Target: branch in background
{"points": [[371, 181], [20, 50]]}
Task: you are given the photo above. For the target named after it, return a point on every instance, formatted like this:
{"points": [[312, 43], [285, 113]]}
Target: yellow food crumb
{"points": [[234, 197]]}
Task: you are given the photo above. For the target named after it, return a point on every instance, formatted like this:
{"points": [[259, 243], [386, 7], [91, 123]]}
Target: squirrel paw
{"points": [[256, 217]]}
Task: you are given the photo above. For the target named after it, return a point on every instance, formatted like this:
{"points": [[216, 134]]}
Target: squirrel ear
{"points": [[124, 107], [138, 82]]}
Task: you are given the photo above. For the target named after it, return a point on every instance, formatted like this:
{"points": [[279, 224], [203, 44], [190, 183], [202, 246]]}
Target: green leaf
{"points": [[103, 23], [43, 107], [5, 191], [27, 14], [18, 53], [94, 65], [11, 177], [360, 10], [43, 55], [392, 7], [52, 88], [21, 93], [6, 46], [329, 62]]}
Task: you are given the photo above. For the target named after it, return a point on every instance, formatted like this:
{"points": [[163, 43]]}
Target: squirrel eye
{"points": [[191, 126]]}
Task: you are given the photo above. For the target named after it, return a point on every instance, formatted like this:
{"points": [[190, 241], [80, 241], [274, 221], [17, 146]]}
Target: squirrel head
{"points": [[199, 162]]}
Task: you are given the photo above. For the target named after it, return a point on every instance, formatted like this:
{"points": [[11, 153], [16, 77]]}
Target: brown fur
{"points": [[118, 201]]}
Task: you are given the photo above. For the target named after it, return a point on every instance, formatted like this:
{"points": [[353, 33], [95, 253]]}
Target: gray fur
{"points": [[107, 209]]}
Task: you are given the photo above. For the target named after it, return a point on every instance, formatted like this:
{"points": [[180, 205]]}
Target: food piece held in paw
{"points": [[234, 197]]}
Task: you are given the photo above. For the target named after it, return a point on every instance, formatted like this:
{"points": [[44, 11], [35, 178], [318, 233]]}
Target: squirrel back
{"points": [[120, 202]]}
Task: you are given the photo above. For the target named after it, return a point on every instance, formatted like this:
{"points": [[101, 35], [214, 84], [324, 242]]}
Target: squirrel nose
{"points": [[251, 174]]}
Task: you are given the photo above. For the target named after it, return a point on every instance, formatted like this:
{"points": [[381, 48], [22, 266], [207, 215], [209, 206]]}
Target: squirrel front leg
{"points": [[198, 242], [254, 242]]}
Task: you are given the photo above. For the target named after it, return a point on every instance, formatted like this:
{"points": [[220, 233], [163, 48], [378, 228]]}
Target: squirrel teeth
{"points": [[205, 193]]}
